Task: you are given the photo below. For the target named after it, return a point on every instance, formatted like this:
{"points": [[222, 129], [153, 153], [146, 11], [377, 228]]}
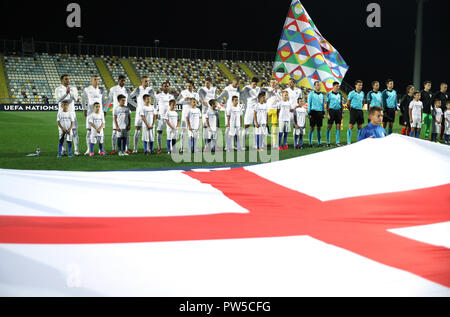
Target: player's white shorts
{"points": [[138, 121], [249, 117], [262, 130], [97, 138], [300, 131], [234, 130], [193, 133], [436, 128], [67, 137], [284, 126], [212, 134], [75, 123], [172, 134], [161, 125], [416, 122], [148, 135], [183, 123]]}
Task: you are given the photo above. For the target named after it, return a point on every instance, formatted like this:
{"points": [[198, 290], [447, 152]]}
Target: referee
{"points": [[334, 112], [316, 106], [355, 104]]}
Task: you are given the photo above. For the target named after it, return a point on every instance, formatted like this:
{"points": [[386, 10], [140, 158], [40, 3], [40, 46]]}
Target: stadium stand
{"points": [[116, 69], [28, 81], [177, 71], [104, 72], [32, 79], [236, 70], [261, 69], [4, 94], [80, 68]]}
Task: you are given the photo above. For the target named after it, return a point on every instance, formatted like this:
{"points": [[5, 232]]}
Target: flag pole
{"points": [[418, 48]]}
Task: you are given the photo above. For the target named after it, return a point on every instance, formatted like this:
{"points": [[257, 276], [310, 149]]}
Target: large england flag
{"points": [[369, 219]]}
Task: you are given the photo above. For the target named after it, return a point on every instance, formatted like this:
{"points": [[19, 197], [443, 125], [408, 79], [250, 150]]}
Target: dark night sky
{"points": [[372, 53]]}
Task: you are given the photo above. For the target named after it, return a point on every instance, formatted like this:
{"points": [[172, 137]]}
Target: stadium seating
{"points": [[177, 71], [27, 79], [80, 68], [236, 70], [32, 78], [262, 70], [116, 69]]}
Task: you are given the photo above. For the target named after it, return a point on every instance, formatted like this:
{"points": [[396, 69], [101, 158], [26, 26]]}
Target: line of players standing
{"points": [[318, 106]]}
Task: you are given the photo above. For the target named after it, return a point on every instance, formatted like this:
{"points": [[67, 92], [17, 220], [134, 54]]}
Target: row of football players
{"points": [[149, 117], [95, 94], [249, 96]]}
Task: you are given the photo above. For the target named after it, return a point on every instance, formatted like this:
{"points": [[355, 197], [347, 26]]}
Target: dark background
{"points": [[372, 53]]}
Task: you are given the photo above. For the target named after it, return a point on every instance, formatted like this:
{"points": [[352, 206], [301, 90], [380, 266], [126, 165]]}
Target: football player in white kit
{"points": [[91, 95], [234, 123], [65, 120], [138, 93], [273, 98], [162, 103], [284, 119], [299, 124], [205, 94], [69, 94], [211, 125], [294, 94], [249, 96], [172, 126], [96, 121], [261, 118], [416, 115], [185, 99], [227, 94], [148, 118], [193, 121], [121, 117], [114, 92]]}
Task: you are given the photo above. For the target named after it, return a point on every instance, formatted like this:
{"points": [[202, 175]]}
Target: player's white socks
{"points": [[244, 137], [205, 135], [76, 140], [88, 140], [227, 138], [114, 140], [159, 140], [183, 132], [137, 133]]}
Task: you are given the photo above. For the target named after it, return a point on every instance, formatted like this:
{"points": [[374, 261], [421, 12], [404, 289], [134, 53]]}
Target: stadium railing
{"points": [[15, 46]]}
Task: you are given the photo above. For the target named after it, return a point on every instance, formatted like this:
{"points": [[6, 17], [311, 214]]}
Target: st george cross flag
{"points": [[296, 227], [305, 55]]}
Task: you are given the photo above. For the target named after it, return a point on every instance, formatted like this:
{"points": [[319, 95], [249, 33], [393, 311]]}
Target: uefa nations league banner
{"points": [[46, 107], [33, 107]]}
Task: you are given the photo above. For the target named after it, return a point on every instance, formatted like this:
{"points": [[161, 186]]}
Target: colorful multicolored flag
{"points": [[305, 55]]}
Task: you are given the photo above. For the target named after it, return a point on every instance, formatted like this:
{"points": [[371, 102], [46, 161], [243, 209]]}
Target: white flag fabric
{"points": [[369, 219]]}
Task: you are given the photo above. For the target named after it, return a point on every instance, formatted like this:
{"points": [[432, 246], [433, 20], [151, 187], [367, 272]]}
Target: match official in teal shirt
{"points": [[355, 104], [390, 104], [316, 107], [334, 112]]}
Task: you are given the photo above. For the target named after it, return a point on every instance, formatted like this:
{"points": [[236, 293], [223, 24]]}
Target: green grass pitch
{"points": [[22, 132]]}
